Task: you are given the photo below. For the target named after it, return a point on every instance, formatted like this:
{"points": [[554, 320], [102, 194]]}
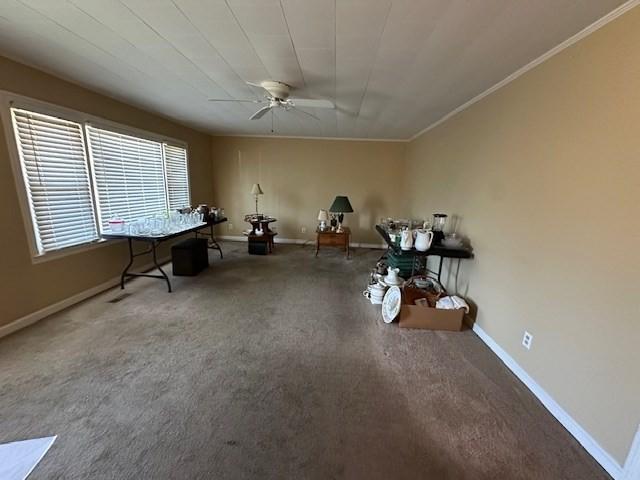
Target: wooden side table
{"points": [[333, 239], [266, 239], [260, 222]]}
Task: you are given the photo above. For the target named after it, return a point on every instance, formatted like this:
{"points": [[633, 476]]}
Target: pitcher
{"points": [[406, 239], [423, 240]]}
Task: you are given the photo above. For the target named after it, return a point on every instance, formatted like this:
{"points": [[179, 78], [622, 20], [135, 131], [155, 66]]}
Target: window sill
{"points": [[65, 252]]}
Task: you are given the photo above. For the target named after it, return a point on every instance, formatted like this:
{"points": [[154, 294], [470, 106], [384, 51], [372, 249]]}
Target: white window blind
{"points": [[129, 175], [56, 177], [177, 176]]}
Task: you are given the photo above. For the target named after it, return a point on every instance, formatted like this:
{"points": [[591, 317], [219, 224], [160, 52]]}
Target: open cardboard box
{"points": [[418, 316]]}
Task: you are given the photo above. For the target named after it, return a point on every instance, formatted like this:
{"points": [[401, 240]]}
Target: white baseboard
{"points": [[587, 441], [33, 317], [632, 464], [300, 241]]}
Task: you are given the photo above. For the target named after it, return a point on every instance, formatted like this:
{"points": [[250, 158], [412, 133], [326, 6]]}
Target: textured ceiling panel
{"points": [[392, 67]]}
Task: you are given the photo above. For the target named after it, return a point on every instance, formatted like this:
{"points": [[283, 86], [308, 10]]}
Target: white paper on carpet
{"points": [[18, 459]]}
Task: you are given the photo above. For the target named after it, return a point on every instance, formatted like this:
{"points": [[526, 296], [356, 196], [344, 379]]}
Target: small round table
{"points": [[261, 223]]}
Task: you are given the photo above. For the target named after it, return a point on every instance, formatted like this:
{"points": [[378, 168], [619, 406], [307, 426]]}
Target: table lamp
{"points": [[323, 216], [341, 206], [255, 191]]}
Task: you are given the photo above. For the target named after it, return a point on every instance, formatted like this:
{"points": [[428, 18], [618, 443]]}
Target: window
{"points": [[77, 176], [129, 175], [54, 167], [175, 159]]}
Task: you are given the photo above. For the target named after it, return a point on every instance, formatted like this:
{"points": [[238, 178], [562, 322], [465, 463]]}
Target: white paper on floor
{"points": [[18, 459]]}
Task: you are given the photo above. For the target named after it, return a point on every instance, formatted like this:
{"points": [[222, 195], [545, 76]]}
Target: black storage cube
{"points": [[258, 247], [190, 256]]}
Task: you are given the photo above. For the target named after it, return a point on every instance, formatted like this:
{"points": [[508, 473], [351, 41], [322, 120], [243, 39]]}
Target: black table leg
{"points": [[215, 244], [155, 262], [440, 270], [126, 269], [212, 243], [152, 250]]}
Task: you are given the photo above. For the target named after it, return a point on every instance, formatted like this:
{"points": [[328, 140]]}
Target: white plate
{"points": [[389, 284], [391, 304], [385, 284]]}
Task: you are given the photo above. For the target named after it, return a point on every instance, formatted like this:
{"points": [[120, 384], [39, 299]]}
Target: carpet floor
{"points": [[270, 367]]}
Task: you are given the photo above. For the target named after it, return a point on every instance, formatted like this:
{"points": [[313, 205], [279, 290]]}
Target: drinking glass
{"points": [[134, 228], [145, 228], [157, 225], [174, 220]]}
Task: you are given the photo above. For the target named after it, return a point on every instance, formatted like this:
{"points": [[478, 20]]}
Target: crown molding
{"points": [[621, 10], [294, 137]]}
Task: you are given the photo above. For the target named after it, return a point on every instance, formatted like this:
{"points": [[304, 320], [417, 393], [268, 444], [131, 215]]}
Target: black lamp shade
{"points": [[341, 205]]}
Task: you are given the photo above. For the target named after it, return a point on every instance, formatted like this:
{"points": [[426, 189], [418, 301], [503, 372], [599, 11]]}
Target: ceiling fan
{"points": [[277, 95]]}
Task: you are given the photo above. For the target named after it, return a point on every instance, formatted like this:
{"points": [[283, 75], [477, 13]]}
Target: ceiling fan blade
{"points": [[306, 113], [234, 100], [260, 113], [254, 84], [313, 103]]}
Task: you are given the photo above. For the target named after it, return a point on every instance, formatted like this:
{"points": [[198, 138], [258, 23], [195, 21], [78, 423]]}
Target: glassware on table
{"points": [[116, 224], [174, 220], [134, 228], [145, 226], [156, 225], [165, 226]]}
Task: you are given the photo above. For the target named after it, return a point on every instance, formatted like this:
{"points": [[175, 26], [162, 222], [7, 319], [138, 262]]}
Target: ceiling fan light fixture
{"points": [[276, 89], [277, 95]]}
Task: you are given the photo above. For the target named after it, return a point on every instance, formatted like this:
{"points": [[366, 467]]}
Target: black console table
{"points": [[435, 250]]}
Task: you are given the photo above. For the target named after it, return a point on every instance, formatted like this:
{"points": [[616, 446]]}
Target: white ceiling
{"points": [[392, 67]]}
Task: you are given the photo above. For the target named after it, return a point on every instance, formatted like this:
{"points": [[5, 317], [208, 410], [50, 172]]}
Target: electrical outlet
{"points": [[303, 229], [230, 226], [527, 339]]}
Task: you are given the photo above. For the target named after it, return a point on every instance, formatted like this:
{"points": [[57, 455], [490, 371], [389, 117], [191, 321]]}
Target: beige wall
{"points": [[29, 286], [300, 176], [545, 176]]}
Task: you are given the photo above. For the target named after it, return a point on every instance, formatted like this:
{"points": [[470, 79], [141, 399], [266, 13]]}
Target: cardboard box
{"points": [[417, 316]]}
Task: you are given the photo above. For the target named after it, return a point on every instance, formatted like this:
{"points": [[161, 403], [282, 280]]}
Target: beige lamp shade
{"points": [[256, 190], [323, 216]]}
